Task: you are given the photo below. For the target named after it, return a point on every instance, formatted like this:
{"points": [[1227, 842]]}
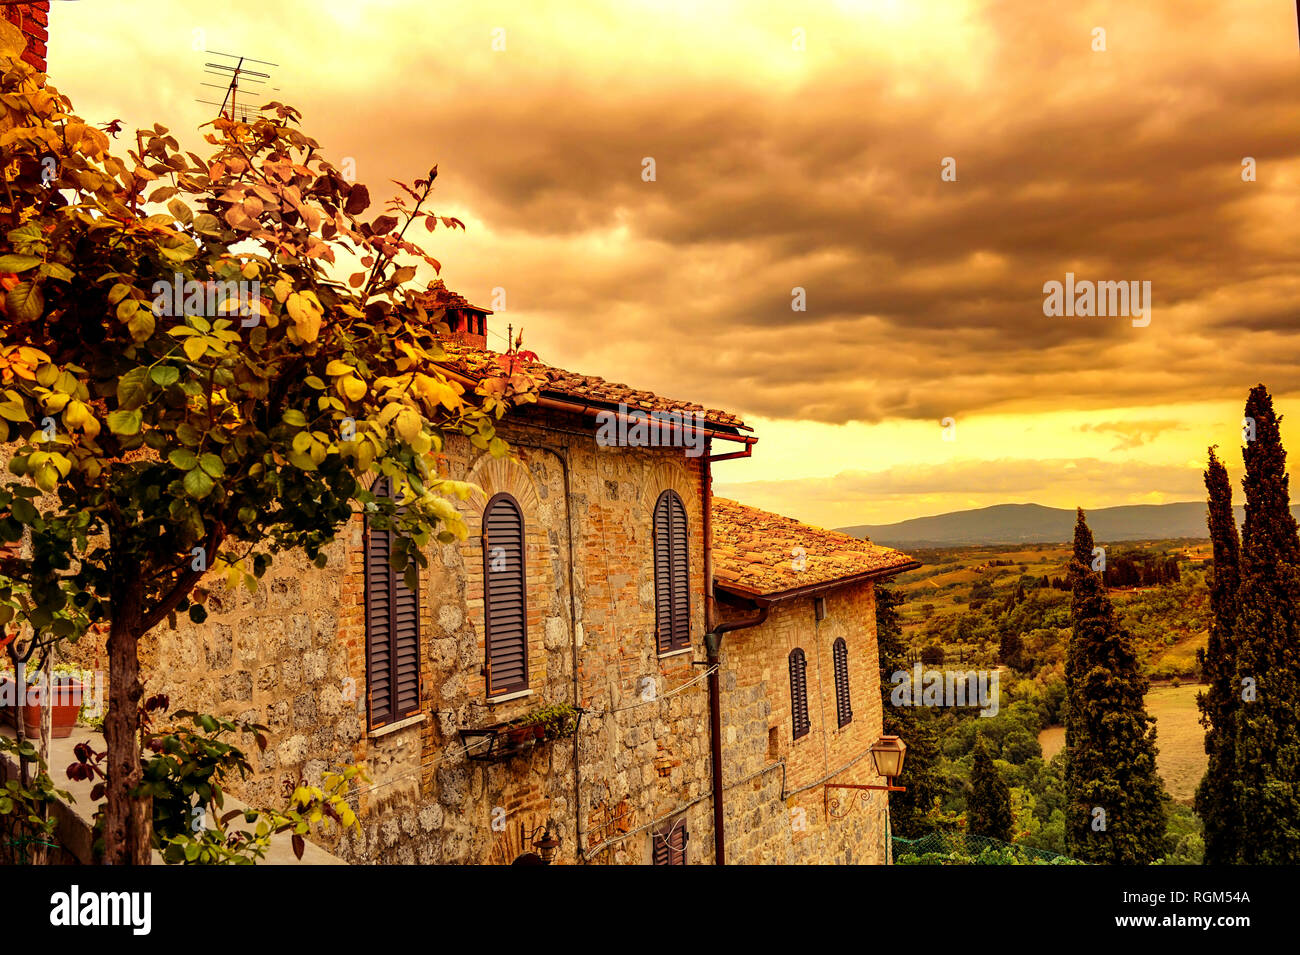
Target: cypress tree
{"points": [[921, 779], [1214, 803], [1010, 648], [988, 809], [1267, 750], [1110, 759]]}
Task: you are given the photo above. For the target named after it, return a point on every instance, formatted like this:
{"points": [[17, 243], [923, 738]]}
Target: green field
{"points": [[1181, 759], [1168, 622]]}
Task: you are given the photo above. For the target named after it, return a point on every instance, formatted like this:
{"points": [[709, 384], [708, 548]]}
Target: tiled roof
{"points": [[478, 363], [757, 552]]}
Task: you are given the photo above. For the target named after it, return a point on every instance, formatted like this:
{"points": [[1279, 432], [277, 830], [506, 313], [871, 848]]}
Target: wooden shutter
{"points": [[505, 596], [672, 574], [392, 629], [843, 707], [799, 693], [670, 843]]}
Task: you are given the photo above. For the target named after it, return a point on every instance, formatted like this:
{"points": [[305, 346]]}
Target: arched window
{"points": [[392, 628], [505, 598], [799, 722], [843, 707], [672, 574]]}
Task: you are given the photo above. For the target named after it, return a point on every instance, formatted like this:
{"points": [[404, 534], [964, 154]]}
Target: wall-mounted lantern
{"points": [[548, 844], [888, 753]]}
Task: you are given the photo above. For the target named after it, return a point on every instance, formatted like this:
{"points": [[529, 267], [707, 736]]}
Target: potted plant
{"points": [[65, 705], [555, 721], [522, 733]]}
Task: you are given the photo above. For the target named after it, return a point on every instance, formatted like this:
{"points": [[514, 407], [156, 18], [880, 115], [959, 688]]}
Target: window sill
{"points": [[394, 727], [674, 653], [507, 697]]}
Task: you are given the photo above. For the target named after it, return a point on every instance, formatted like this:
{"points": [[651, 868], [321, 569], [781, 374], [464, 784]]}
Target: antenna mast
{"points": [[234, 70]]}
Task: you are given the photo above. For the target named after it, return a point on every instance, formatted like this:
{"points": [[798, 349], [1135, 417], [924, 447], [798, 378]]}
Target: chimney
{"points": [[33, 19], [468, 323]]}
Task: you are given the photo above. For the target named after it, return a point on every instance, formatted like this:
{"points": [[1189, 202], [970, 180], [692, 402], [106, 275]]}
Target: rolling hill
{"points": [[1034, 523]]}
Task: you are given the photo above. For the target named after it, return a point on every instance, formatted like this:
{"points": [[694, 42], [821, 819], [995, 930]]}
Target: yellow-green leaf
{"points": [[306, 313], [197, 483], [195, 347], [18, 263], [25, 302], [124, 422]]}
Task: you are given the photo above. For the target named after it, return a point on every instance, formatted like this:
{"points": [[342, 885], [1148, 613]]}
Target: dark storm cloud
{"points": [[924, 297]]}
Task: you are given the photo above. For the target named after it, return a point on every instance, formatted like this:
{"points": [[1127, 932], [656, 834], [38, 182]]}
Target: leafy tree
{"points": [[1214, 796], [923, 785], [988, 809], [1110, 777], [1267, 636], [152, 442]]}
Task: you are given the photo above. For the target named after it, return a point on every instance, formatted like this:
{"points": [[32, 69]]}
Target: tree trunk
{"points": [[20, 730], [126, 817], [40, 850]]}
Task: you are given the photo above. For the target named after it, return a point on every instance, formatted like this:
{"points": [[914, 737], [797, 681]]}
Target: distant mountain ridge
{"points": [[1036, 524]]}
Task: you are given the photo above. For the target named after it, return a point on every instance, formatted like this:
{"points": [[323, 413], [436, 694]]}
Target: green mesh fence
{"points": [[959, 848]]}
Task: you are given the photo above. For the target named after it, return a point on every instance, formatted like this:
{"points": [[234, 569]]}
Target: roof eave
{"points": [[581, 406], [813, 589]]}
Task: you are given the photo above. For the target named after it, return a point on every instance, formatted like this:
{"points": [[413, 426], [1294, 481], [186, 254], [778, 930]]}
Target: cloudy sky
{"points": [[802, 146]]}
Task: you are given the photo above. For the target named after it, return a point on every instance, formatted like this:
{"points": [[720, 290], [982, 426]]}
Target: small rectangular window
{"points": [[670, 843]]}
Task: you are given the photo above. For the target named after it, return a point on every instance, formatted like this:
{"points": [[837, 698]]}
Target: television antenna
{"points": [[239, 78]]}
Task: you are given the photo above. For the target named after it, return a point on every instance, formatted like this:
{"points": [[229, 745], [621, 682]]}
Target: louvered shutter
{"points": [[799, 694], [406, 641], [843, 706], [672, 574], [505, 598], [670, 844], [392, 630]]}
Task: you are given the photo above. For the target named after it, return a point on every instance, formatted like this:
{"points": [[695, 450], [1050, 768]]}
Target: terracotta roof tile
{"points": [[754, 551], [479, 363]]}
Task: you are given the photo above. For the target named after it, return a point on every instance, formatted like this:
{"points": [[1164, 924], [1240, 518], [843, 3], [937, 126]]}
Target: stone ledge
{"points": [[394, 727]]}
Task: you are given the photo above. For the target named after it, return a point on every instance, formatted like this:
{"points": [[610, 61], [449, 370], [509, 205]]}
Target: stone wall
{"points": [[292, 655], [759, 748]]}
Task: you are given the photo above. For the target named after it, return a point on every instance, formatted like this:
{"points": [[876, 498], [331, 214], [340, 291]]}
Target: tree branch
{"points": [[185, 584]]}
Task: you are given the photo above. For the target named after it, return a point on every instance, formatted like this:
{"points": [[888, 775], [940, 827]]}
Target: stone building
{"points": [[600, 595], [801, 687]]}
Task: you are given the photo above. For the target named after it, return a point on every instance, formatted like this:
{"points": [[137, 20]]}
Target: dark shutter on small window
{"points": [[670, 843], [672, 574], [799, 693], [843, 707], [392, 629], [505, 598]]}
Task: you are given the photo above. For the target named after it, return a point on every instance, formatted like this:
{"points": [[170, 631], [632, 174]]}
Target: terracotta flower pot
{"points": [[65, 704]]}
